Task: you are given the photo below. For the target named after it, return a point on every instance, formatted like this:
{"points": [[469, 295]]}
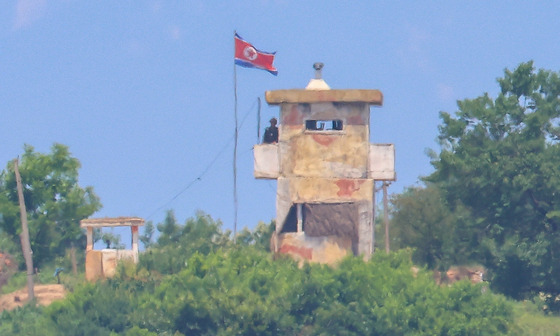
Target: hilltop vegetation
{"points": [[209, 286]]}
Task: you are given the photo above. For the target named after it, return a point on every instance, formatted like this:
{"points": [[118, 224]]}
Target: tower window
{"points": [[323, 125]]}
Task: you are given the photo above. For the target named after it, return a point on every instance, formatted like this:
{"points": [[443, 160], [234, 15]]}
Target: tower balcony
{"points": [[266, 162]]}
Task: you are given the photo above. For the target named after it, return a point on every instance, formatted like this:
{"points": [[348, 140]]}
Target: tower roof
{"points": [[318, 91], [372, 97]]}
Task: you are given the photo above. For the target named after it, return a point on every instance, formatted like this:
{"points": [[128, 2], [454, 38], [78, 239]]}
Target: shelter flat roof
{"points": [[112, 221]]}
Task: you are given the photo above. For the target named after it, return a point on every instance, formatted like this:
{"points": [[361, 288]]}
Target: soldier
{"points": [[271, 132]]}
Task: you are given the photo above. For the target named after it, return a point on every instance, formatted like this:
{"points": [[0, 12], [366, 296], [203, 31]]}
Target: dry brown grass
{"points": [[44, 294]]}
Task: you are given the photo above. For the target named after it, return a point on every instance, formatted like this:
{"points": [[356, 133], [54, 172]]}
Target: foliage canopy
{"points": [[54, 201], [495, 186]]}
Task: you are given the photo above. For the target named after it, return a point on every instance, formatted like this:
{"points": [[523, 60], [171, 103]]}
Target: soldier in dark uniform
{"points": [[271, 132]]}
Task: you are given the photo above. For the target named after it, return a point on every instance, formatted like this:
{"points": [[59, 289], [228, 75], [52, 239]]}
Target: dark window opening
{"points": [[290, 225], [323, 125]]}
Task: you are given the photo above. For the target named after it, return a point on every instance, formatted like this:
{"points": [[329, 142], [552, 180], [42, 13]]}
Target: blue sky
{"points": [[142, 91]]}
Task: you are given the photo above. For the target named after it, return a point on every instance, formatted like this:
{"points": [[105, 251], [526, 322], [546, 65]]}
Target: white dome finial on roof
{"points": [[318, 83]]}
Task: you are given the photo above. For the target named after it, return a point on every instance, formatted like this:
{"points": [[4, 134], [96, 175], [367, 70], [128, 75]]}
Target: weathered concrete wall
{"points": [[101, 264], [94, 265], [365, 227], [326, 175], [343, 154], [329, 190], [317, 190], [109, 262], [302, 248], [293, 115], [307, 153], [327, 167]]}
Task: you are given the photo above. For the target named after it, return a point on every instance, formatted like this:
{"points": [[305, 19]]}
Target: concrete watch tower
{"points": [[325, 169]]}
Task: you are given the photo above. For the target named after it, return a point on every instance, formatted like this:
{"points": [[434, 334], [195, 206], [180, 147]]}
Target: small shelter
{"points": [[103, 263]]}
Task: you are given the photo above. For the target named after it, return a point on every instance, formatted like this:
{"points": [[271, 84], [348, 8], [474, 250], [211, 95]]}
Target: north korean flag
{"points": [[246, 55]]}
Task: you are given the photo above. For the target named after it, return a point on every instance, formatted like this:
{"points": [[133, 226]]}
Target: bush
{"points": [[242, 291]]}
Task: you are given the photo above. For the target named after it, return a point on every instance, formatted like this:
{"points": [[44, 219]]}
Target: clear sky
{"points": [[142, 91]]}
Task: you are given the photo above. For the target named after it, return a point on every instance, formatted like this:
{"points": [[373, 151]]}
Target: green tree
{"points": [[421, 220], [148, 234], [55, 202], [500, 159], [111, 240], [176, 243], [170, 230], [259, 237]]}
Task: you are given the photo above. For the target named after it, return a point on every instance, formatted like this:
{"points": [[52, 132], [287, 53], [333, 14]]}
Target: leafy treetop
{"points": [[54, 201]]}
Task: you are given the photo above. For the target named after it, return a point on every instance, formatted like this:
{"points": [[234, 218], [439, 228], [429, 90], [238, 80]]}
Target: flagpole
{"points": [[248, 57], [259, 120], [235, 151]]}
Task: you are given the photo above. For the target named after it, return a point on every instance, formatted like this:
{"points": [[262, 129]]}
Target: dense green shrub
{"points": [[27, 320], [177, 243], [94, 309], [243, 291]]}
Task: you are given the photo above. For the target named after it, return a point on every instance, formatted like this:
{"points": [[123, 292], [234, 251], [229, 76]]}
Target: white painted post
{"points": [[89, 241]]}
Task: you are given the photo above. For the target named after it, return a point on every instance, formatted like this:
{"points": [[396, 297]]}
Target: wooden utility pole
{"points": [[24, 236], [73, 258], [386, 217]]}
